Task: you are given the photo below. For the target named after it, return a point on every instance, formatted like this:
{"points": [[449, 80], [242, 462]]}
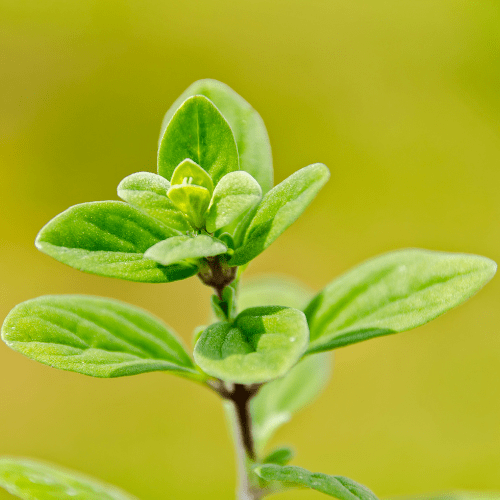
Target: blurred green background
{"points": [[399, 98]]}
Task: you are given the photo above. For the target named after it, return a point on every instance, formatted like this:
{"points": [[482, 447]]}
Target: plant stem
{"points": [[239, 397]]}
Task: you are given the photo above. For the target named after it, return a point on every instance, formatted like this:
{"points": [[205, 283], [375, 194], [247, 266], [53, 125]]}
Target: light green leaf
{"points": [[148, 192], [177, 248], [393, 293], [338, 487], [94, 336], [279, 209], [270, 290], [236, 193], [109, 238], [279, 456], [278, 400], [263, 343], [33, 480], [188, 172], [247, 126], [192, 201], [454, 495], [199, 132]]}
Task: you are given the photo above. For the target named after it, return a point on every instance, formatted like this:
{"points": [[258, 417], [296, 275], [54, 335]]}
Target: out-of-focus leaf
{"points": [[199, 132], [279, 399], [94, 336], [109, 238], [263, 343], [177, 248], [393, 293], [236, 193], [248, 128], [270, 290], [148, 192], [279, 208], [279, 456], [33, 480], [338, 487]]}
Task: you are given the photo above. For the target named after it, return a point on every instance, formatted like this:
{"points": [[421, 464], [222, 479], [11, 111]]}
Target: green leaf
{"points": [[188, 172], [279, 456], [109, 238], [192, 201], [393, 293], [178, 248], [33, 480], [247, 126], [199, 132], [339, 487], [148, 193], [263, 343], [274, 291], [278, 400], [235, 194], [94, 336], [279, 209]]}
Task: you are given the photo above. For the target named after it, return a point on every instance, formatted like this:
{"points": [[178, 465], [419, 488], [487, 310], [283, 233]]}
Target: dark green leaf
{"points": [[393, 293], [199, 132], [278, 400], [94, 336], [33, 480], [279, 456], [247, 126], [339, 487], [235, 194], [109, 238], [263, 343], [279, 209], [148, 193], [177, 248]]}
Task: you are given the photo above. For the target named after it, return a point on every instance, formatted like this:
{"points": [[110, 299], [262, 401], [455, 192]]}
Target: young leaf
{"points": [[279, 209], [188, 172], [338, 487], [279, 456], [109, 238], [263, 343], [199, 132], [148, 193], [393, 293], [94, 336], [248, 128], [278, 400], [236, 193], [33, 480], [177, 248]]}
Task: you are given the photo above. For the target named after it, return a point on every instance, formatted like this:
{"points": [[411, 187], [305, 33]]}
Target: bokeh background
{"points": [[399, 98]]}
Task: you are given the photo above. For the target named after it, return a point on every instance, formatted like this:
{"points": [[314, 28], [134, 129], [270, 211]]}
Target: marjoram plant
{"points": [[209, 211]]}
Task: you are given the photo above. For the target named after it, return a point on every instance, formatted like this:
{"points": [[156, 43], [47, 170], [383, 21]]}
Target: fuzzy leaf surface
{"points": [[178, 248], [109, 238], [393, 293], [248, 127], [262, 343], [235, 194], [199, 132], [94, 336], [280, 208], [148, 192], [338, 487], [33, 480]]}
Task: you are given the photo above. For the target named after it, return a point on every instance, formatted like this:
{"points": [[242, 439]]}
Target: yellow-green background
{"points": [[399, 98]]}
